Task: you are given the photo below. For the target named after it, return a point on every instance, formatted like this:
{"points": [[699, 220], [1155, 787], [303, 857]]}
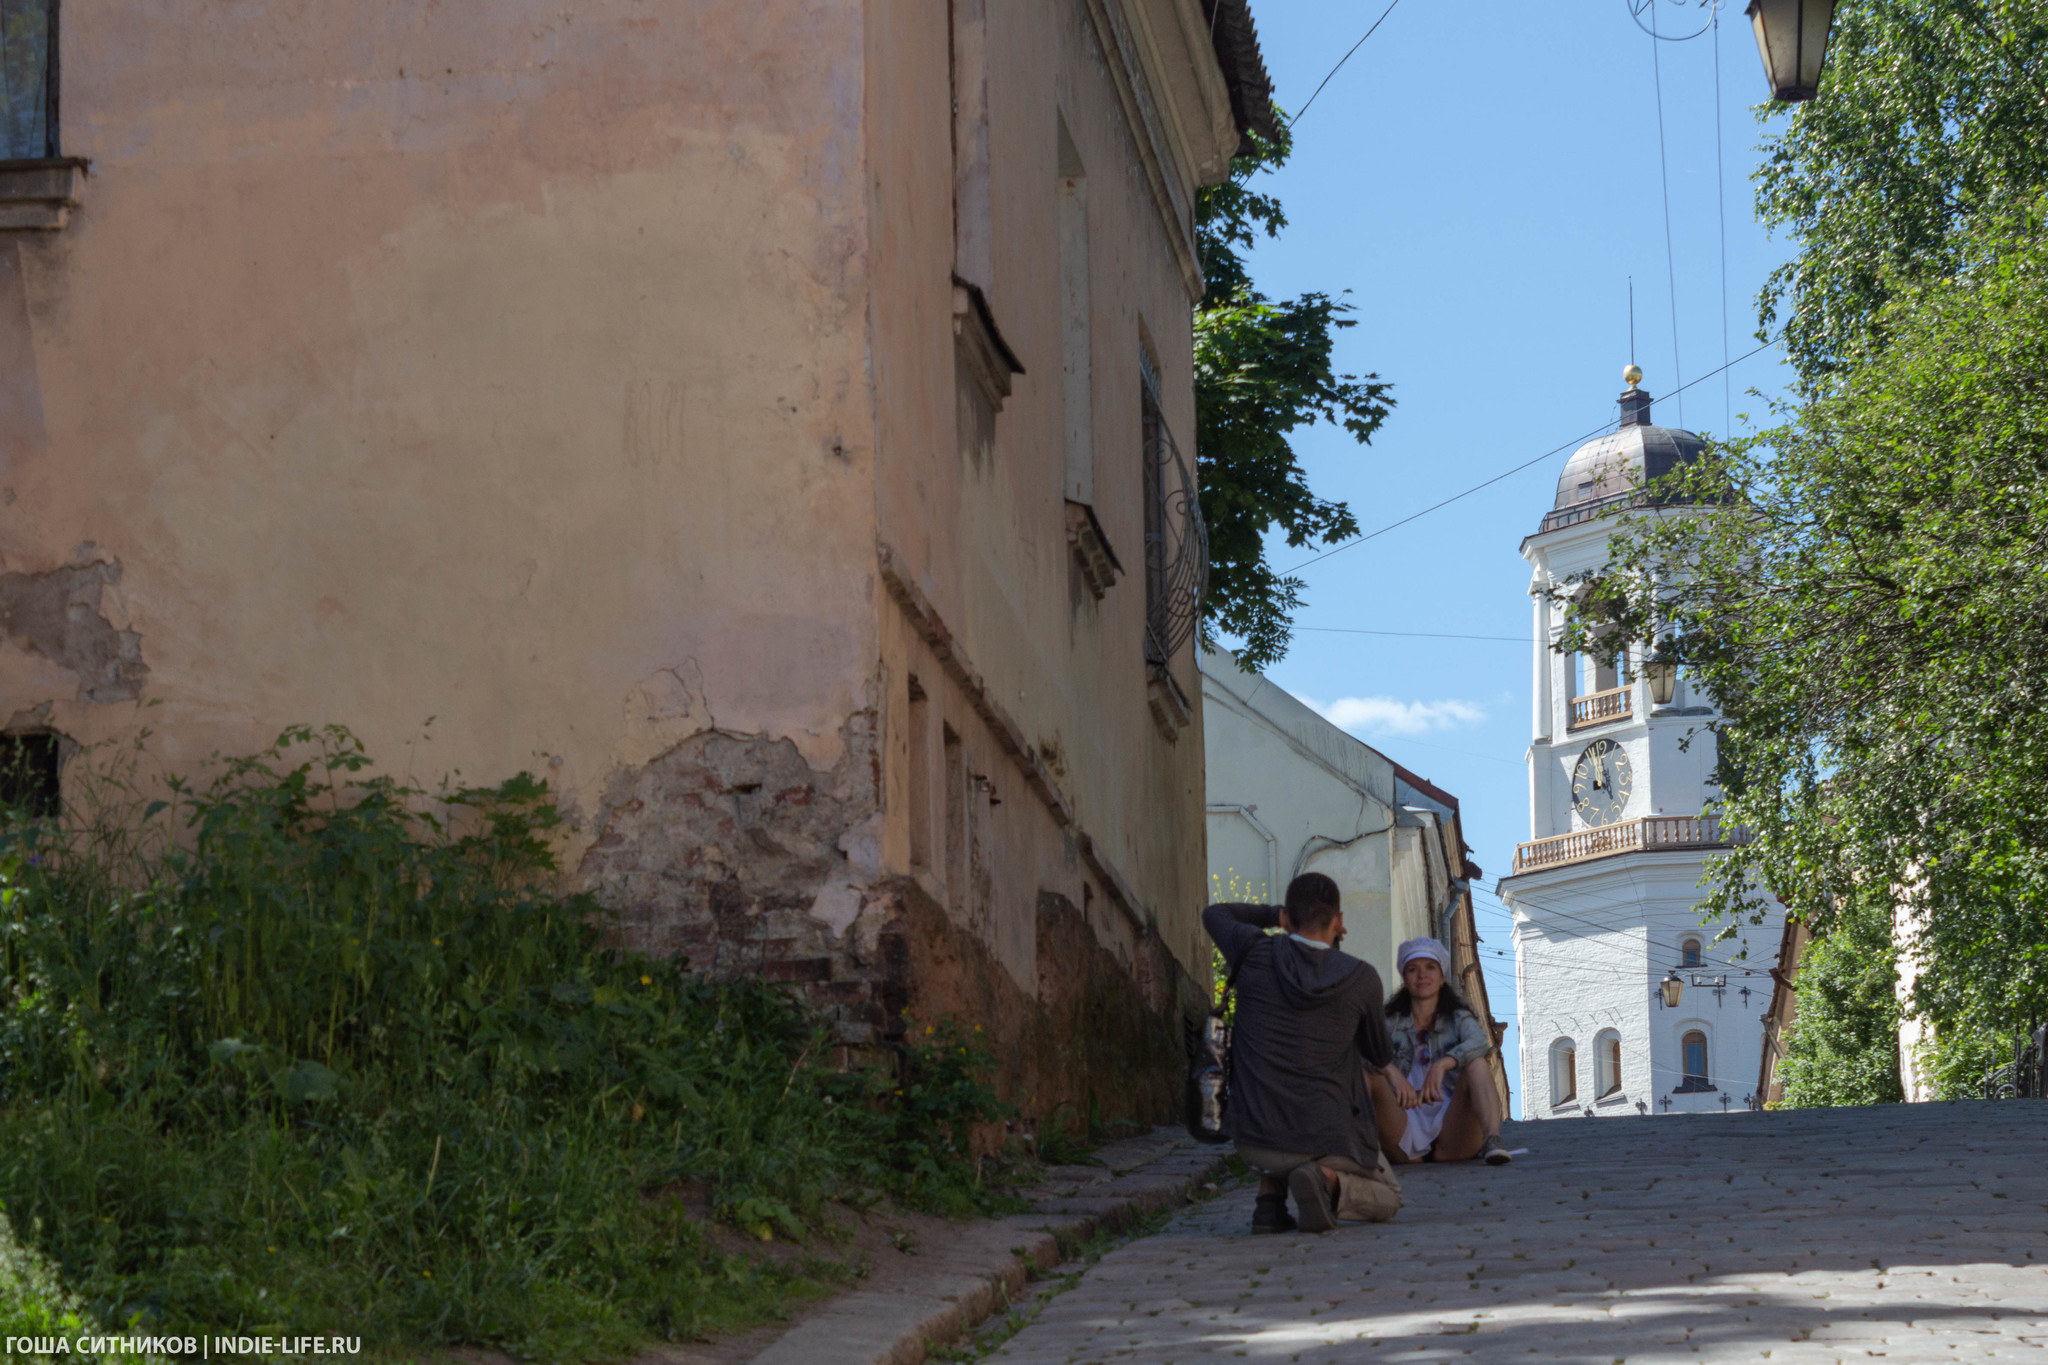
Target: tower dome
{"points": [[1608, 469]]}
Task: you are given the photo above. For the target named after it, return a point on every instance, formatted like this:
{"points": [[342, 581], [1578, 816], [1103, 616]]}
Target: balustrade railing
{"points": [[1648, 834], [1597, 708]]}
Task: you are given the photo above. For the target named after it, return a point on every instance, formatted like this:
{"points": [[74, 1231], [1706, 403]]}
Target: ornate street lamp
{"points": [[1662, 675], [1792, 37], [1672, 988]]}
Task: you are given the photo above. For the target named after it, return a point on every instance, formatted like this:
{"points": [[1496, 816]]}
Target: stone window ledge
{"points": [[38, 195]]}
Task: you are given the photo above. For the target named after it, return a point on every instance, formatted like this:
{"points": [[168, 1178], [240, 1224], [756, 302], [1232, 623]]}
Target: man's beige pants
{"points": [[1362, 1196]]}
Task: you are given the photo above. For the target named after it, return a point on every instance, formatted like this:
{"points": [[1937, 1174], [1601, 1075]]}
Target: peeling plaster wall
{"points": [[531, 388], [501, 364]]}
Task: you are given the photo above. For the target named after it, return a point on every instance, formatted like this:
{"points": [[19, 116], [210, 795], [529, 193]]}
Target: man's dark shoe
{"points": [[1270, 1214], [1312, 1196], [1493, 1153]]}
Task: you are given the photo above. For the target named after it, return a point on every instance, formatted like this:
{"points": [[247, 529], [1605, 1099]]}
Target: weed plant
{"points": [[338, 1058]]}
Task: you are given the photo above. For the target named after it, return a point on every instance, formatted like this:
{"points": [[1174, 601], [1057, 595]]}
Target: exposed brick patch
{"points": [[720, 848], [798, 969]]}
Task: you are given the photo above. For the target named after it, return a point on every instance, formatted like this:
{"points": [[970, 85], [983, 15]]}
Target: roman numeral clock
{"points": [[1600, 782], [1605, 892]]}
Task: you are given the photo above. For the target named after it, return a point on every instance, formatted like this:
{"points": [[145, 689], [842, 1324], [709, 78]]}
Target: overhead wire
{"points": [[1411, 634], [1488, 483], [1340, 64], [1707, 962], [1664, 174], [1550, 909], [1721, 195]]}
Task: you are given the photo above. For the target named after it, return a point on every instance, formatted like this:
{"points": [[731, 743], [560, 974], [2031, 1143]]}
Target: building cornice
{"points": [[1177, 137], [1601, 869]]}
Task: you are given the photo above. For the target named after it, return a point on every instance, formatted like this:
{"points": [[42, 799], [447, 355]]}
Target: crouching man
{"points": [[1307, 1015]]}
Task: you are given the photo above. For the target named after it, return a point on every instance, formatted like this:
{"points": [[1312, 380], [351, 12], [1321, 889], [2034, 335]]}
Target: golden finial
{"points": [[1632, 374]]}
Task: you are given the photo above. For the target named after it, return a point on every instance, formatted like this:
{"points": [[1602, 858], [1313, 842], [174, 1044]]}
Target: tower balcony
{"points": [[1650, 834], [1598, 708]]}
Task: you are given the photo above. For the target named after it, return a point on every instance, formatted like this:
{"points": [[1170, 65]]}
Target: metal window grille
{"points": [[1176, 539], [28, 79], [2025, 1077]]}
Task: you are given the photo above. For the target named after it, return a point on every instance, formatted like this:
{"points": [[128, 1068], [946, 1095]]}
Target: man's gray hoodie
{"points": [[1308, 1021]]}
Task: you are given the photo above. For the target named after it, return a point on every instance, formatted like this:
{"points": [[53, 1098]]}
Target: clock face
{"points": [[1600, 782]]}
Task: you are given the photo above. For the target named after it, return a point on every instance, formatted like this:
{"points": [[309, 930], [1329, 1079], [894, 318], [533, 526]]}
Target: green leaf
{"points": [[306, 1080]]}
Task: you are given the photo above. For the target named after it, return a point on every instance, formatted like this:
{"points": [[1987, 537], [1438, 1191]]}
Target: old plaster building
{"points": [[1628, 1004], [1289, 792], [770, 422]]}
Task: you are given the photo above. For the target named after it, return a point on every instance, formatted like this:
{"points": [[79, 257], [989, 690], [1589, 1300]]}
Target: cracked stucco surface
{"points": [[73, 617]]}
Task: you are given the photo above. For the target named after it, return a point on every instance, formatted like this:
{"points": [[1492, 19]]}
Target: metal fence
{"points": [[2022, 1078]]}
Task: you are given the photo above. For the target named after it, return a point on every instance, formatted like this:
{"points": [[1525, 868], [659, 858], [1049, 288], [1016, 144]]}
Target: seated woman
{"points": [[1425, 1109]]}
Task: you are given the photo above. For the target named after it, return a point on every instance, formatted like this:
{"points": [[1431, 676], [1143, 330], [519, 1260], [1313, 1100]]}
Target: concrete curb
{"points": [[986, 1269]]}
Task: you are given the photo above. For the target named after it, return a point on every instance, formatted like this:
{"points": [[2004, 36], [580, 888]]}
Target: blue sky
{"points": [[1484, 183]]}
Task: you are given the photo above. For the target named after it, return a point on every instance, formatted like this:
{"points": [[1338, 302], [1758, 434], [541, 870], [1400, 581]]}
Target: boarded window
{"points": [[920, 725], [1694, 1046], [1607, 1061], [28, 79], [1564, 1072], [28, 776]]}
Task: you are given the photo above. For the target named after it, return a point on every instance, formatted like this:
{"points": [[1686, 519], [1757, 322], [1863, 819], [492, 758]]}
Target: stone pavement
{"points": [[980, 1268], [1909, 1233]]}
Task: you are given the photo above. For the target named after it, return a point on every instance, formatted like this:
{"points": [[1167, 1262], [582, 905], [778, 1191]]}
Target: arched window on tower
{"points": [[1564, 1071], [1607, 1064], [1692, 1050], [1689, 953]]}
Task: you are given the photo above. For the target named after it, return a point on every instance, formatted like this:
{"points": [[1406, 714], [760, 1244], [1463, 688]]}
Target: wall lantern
{"points": [[1672, 989], [1792, 37], [1662, 675]]}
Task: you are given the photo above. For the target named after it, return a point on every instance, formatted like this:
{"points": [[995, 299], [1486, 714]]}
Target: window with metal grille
{"points": [[1176, 540], [28, 79]]}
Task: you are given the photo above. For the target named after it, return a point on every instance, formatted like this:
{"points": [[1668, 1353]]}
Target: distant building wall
{"points": [[1288, 793]]}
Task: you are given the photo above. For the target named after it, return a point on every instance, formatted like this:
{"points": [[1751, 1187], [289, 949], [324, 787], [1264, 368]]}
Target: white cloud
{"points": [[1385, 715]]}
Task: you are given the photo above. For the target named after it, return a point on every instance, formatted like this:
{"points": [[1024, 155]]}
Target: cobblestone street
{"points": [[1908, 1233]]}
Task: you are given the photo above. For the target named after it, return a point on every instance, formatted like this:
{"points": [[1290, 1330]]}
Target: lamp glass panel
{"points": [[1815, 18], [1778, 25]]}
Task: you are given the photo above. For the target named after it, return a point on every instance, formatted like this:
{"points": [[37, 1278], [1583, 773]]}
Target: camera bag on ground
{"points": [[1209, 1068]]}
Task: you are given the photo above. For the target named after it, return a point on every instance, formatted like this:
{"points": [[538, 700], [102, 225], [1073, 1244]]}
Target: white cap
{"points": [[1423, 947]]}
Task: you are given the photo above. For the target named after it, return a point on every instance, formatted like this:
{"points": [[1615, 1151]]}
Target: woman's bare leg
{"points": [[1391, 1117], [1473, 1117]]}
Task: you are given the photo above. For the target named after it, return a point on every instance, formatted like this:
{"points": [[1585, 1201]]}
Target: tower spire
{"points": [[1635, 401]]}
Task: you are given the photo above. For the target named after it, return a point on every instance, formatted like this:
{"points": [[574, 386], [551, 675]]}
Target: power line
{"points": [[1664, 173], [1411, 634], [1707, 960], [1646, 972], [1549, 909], [1339, 66], [1721, 194], [1575, 441]]}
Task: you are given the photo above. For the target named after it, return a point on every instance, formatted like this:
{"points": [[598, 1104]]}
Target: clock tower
{"points": [[1628, 1004]]}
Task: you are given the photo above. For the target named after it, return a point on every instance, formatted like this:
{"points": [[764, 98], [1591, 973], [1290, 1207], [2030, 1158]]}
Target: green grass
{"points": [[307, 1051]]}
